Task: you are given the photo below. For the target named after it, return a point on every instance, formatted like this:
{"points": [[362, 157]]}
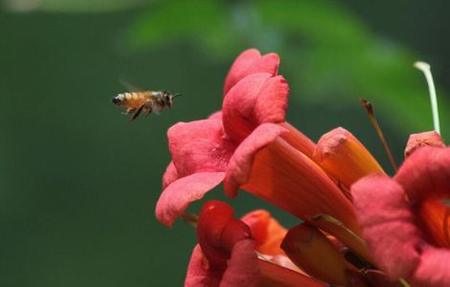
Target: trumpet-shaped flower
{"points": [[226, 255], [249, 145], [336, 186], [344, 157], [405, 219]]}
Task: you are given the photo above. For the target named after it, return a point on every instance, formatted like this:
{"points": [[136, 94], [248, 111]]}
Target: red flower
{"points": [[221, 239], [344, 157], [201, 149], [251, 62], [316, 254], [405, 221], [248, 145], [226, 257], [418, 140], [267, 232]]}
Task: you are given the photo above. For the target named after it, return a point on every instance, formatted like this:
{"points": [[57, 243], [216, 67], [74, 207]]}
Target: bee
{"points": [[145, 102]]}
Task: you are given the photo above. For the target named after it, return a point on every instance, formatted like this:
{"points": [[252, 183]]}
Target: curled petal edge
{"points": [[240, 164], [178, 195], [249, 62]]}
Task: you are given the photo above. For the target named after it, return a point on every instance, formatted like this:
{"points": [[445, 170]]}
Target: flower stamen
{"points": [[373, 120], [426, 69]]}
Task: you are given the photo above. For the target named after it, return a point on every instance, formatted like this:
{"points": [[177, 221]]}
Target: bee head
{"points": [[117, 100], [168, 98]]}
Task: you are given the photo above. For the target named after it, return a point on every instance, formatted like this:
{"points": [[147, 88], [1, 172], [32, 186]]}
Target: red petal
{"points": [[239, 104], [388, 224], [256, 99], [266, 230], [434, 268], [426, 173], [235, 231], [240, 164], [216, 116], [218, 232], [199, 146], [214, 217], [250, 62], [176, 197], [272, 101], [433, 217], [198, 272], [418, 140], [242, 269], [170, 175]]}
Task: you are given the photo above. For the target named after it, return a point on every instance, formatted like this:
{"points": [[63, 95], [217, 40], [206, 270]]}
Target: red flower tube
{"points": [[226, 257], [231, 145], [405, 219]]}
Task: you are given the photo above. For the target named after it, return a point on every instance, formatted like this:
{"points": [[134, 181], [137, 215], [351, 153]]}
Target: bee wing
{"points": [[129, 86]]}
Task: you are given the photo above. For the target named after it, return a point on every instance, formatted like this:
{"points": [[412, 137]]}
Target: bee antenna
{"points": [[177, 95]]}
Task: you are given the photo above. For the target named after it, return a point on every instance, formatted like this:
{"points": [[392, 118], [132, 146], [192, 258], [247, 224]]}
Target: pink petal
{"points": [[176, 197], [250, 62], [199, 146], [198, 273], [415, 141], [256, 99], [272, 101], [216, 116], [242, 269], [240, 164], [434, 268], [170, 175], [388, 224], [426, 172], [238, 106]]}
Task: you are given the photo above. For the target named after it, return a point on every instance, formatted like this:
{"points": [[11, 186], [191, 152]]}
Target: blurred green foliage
{"points": [[78, 182], [333, 57], [70, 6]]}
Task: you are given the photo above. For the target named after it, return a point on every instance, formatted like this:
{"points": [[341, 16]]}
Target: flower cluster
{"points": [[358, 226]]}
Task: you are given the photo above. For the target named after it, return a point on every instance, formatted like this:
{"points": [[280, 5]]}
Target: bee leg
{"points": [[128, 111], [148, 111], [136, 113]]}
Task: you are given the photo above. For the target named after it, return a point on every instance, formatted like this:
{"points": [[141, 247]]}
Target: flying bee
{"points": [[145, 102]]}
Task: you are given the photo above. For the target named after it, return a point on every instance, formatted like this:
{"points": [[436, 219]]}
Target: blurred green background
{"points": [[78, 181]]}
